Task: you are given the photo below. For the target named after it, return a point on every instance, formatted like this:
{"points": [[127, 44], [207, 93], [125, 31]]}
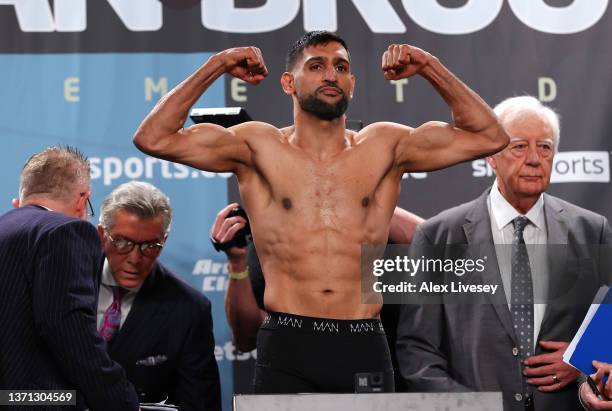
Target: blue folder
{"points": [[593, 341]]}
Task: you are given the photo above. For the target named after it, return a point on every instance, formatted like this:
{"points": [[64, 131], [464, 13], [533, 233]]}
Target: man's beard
{"points": [[322, 110]]}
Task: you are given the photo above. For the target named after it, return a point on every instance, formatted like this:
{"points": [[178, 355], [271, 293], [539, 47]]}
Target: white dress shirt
{"points": [[502, 214], [105, 296]]}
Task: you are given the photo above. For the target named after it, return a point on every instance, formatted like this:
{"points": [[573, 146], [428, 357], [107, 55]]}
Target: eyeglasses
{"points": [[90, 212], [125, 246]]}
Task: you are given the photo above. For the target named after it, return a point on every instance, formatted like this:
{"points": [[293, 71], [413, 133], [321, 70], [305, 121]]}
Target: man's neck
{"points": [[320, 138], [49, 204], [522, 204]]}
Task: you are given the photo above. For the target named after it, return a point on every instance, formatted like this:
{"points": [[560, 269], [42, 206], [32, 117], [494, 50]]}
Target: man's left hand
{"points": [[548, 371]]}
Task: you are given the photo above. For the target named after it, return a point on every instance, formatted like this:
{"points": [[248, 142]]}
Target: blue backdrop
{"points": [[95, 102], [86, 73]]}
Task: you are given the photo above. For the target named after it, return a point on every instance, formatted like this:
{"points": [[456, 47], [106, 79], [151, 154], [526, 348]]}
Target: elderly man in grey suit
{"points": [[513, 348]]}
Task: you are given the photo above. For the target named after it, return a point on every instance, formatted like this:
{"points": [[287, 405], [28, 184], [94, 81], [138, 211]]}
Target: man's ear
{"points": [[288, 83], [492, 162], [15, 202], [101, 232], [353, 82], [81, 204]]}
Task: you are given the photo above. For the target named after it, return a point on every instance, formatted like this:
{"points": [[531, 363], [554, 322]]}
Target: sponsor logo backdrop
{"points": [[86, 72]]}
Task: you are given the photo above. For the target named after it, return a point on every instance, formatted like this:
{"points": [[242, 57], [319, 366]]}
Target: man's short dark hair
{"points": [[312, 38]]}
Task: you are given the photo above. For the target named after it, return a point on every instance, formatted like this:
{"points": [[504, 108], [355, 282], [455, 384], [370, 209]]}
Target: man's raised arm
{"points": [[476, 132], [204, 146], [403, 226]]}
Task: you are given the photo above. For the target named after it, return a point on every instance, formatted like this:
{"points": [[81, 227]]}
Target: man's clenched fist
{"points": [[245, 63], [401, 61]]}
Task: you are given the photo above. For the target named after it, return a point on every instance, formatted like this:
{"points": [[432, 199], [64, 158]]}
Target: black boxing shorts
{"points": [[297, 354]]}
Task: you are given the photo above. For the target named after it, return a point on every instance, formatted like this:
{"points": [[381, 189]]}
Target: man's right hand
{"points": [[590, 400], [245, 63], [603, 375], [587, 395], [224, 229]]}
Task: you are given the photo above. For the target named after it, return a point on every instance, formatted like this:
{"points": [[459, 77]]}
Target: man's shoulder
{"points": [[586, 225], [36, 219], [572, 209], [34, 214], [381, 130], [258, 129], [454, 216], [448, 225]]}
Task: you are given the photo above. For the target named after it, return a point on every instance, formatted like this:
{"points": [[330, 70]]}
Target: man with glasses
{"points": [[157, 327], [514, 344], [49, 262]]}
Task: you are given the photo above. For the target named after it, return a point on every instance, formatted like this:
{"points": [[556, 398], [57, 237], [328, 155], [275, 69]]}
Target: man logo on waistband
{"points": [[361, 327], [294, 322], [326, 326]]}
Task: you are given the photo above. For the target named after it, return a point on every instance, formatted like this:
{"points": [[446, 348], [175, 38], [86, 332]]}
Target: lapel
{"points": [[98, 281], [557, 232], [556, 221], [140, 321], [477, 230]]}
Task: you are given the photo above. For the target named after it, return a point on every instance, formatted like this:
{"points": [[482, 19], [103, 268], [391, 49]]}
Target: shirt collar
{"points": [[39, 206], [504, 213], [109, 281]]}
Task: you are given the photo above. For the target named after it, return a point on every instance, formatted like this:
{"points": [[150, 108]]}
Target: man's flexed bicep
{"points": [[435, 145], [476, 131], [207, 147]]}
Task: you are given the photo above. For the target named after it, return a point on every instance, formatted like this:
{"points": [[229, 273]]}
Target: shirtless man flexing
{"points": [[315, 192]]}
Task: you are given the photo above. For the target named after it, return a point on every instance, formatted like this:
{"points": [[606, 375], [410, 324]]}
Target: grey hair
{"points": [[139, 198], [56, 172], [513, 108]]}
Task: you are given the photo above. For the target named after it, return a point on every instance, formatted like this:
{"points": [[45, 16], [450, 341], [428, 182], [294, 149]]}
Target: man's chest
{"points": [[352, 177]]}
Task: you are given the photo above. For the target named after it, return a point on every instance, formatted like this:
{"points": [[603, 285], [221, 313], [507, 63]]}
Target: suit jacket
{"points": [[49, 339], [166, 344], [471, 347]]}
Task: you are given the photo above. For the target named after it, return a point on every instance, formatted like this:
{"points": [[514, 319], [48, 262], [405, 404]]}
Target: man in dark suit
{"points": [[515, 348], [49, 259], [157, 327]]}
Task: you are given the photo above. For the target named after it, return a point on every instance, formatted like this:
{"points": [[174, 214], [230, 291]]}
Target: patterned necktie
{"points": [[112, 316], [522, 292]]}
